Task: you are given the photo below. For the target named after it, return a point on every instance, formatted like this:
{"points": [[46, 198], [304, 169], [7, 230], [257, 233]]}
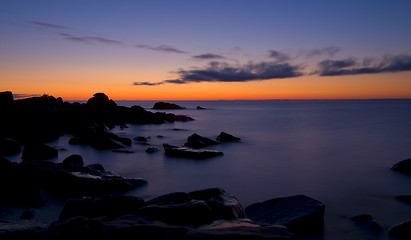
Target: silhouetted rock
{"points": [[101, 100], [367, 222], [301, 214], [38, 151], [403, 166], [184, 152], [73, 162], [401, 231], [225, 137], [239, 229], [196, 141], [164, 105], [6, 97], [9, 147]]}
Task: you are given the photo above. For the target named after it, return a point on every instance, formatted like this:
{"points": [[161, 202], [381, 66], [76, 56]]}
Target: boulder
{"points": [[367, 222], [6, 97], [184, 152], [196, 141], [301, 214], [9, 147], [38, 151], [225, 137], [101, 100], [73, 162], [164, 105], [401, 231], [239, 229], [403, 166], [190, 213], [171, 199], [223, 205]]}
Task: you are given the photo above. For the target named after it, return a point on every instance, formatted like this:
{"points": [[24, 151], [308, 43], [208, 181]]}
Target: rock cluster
{"points": [[205, 214], [45, 118]]}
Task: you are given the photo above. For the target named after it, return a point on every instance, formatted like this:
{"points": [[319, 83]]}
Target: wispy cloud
{"points": [[47, 25], [350, 66], [90, 39], [22, 95], [162, 48], [224, 72], [147, 83], [325, 51], [278, 56], [208, 56]]}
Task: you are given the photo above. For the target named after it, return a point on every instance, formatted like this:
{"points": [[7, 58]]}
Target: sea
{"points": [[339, 152]]}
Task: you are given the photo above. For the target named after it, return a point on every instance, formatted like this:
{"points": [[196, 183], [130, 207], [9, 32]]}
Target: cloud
{"points": [[327, 51], [224, 72], [208, 56], [280, 57], [22, 95], [162, 48], [47, 25], [350, 66], [90, 39], [147, 83]]}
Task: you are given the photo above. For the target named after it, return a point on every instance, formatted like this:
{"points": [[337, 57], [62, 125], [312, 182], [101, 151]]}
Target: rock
{"points": [[190, 213], [401, 231], [184, 152], [28, 214], [240, 229], [122, 151], [141, 139], [171, 199], [152, 150], [200, 108], [301, 214], [367, 222], [38, 151], [26, 229], [101, 100], [169, 117], [9, 147], [164, 105], [196, 141], [6, 97], [225, 137], [73, 162], [223, 205], [404, 198], [403, 166]]}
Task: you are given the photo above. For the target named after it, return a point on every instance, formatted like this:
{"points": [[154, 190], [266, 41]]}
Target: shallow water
{"points": [[338, 152]]}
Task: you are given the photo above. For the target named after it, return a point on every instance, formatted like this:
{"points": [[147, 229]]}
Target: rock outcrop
{"points": [[164, 106], [184, 152]]}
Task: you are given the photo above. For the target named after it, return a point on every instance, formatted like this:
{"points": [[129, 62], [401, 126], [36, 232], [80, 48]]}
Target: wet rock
{"points": [[401, 231], [9, 147], [200, 108], [38, 151], [196, 141], [141, 139], [152, 150], [184, 152], [73, 162], [301, 214], [403, 166], [164, 105], [239, 229], [225, 137], [26, 229], [367, 222], [190, 213], [223, 205]]}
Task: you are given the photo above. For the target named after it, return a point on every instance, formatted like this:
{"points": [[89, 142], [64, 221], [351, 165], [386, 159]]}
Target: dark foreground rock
{"points": [[164, 105], [184, 152], [401, 231], [9, 147], [38, 151], [301, 214], [403, 166]]}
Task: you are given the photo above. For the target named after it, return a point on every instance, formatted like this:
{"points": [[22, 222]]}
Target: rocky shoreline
{"points": [[96, 201]]}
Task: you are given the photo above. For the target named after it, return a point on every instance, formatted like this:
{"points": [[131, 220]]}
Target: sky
{"points": [[206, 50]]}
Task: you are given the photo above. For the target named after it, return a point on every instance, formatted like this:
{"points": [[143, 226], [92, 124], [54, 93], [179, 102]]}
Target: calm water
{"points": [[338, 152]]}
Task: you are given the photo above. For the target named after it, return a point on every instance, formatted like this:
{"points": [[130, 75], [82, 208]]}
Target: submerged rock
{"points": [[403, 166], [401, 231], [184, 152], [9, 147], [301, 214], [367, 222], [225, 137]]}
